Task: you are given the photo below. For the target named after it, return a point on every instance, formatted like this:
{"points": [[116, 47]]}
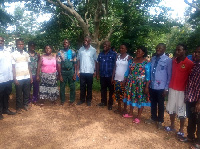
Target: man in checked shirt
{"points": [[192, 99], [105, 65]]}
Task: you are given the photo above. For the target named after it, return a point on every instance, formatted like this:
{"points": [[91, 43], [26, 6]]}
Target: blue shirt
{"points": [[106, 63], [161, 70]]}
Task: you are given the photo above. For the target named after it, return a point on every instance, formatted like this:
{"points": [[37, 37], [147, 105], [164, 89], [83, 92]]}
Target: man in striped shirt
{"points": [[22, 76]]}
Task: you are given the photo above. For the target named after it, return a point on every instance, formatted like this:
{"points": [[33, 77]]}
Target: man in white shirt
{"points": [[86, 66], [6, 78]]}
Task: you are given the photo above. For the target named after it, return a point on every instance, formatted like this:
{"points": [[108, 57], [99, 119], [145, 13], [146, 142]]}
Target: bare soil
{"points": [[82, 127]]}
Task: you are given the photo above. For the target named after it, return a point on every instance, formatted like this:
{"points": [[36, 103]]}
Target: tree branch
{"points": [[52, 2], [70, 4], [71, 11], [73, 20]]}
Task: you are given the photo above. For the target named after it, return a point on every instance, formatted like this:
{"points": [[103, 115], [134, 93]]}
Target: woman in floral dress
{"points": [[137, 84]]}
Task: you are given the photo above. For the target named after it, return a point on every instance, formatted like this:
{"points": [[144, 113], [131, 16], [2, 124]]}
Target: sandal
{"points": [[180, 134], [195, 146], [127, 116], [136, 120], [169, 129]]}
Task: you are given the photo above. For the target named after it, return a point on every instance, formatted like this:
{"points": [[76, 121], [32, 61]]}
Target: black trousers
{"points": [[193, 121], [5, 91], [86, 81], [22, 93], [106, 83], [157, 105]]}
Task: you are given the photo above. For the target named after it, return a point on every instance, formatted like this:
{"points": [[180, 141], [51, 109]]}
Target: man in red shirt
{"points": [[181, 68]]}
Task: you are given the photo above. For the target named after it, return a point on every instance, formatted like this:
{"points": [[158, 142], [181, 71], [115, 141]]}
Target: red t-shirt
{"points": [[180, 74]]}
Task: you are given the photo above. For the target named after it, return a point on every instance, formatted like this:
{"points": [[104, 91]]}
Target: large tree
{"points": [[100, 19]]}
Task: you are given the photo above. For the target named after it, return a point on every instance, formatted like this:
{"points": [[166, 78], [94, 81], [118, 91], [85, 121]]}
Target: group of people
{"points": [[136, 82]]}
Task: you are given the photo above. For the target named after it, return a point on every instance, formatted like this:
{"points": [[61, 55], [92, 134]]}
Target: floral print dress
{"points": [[136, 81]]}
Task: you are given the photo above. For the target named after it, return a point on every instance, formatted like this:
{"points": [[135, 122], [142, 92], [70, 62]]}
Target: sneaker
{"points": [[149, 121], [160, 126], [180, 135]]}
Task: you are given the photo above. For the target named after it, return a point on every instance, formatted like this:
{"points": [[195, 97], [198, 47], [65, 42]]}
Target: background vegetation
{"points": [[120, 21]]}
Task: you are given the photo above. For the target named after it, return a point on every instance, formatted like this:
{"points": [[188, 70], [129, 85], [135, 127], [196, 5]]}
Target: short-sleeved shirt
{"points": [[192, 90], [67, 59], [180, 74], [106, 63], [66, 55], [161, 69], [87, 58], [5, 66], [21, 62]]}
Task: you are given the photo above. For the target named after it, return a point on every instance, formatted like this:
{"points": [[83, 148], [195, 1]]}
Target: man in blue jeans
{"points": [[161, 69]]}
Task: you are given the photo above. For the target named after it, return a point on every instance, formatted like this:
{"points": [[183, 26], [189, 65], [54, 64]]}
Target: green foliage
{"points": [[129, 20]]}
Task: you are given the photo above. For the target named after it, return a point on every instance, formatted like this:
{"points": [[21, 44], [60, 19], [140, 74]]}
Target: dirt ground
{"points": [[82, 127]]}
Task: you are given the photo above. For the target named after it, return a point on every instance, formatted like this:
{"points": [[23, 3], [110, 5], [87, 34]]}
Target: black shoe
{"points": [[80, 102], [9, 112], [109, 107], [1, 116], [88, 103], [101, 104]]}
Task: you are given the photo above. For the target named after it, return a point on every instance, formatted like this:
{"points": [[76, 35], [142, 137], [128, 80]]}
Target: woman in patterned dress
{"points": [[48, 79], [137, 84]]}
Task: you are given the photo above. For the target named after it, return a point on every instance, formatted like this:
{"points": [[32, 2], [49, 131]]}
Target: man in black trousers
{"points": [[105, 65], [6, 78]]}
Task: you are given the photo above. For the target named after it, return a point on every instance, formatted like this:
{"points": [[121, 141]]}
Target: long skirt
{"points": [[48, 86]]}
